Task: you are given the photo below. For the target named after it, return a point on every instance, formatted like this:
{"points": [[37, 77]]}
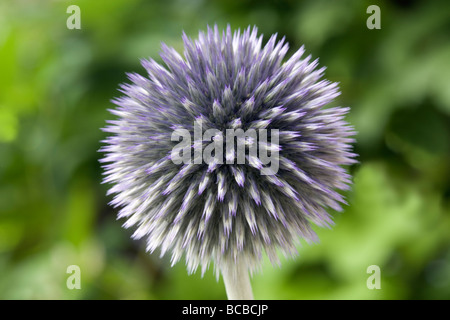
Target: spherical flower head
{"points": [[261, 195]]}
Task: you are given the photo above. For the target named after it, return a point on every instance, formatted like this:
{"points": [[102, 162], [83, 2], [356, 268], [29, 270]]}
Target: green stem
{"points": [[237, 282]]}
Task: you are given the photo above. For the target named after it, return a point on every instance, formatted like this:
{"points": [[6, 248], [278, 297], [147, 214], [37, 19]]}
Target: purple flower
{"points": [[228, 211]]}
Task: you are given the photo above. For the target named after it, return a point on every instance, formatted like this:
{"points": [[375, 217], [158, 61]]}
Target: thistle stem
{"points": [[237, 282]]}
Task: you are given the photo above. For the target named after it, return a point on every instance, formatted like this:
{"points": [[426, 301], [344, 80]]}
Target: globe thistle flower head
{"points": [[226, 211]]}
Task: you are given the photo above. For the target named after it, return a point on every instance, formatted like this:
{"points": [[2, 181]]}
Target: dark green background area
{"points": [[55, 88]]}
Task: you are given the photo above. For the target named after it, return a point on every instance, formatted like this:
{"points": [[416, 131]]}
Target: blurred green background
{"points": [[55, 87]]}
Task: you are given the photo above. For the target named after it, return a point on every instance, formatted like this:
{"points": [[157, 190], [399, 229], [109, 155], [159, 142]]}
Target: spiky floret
{"points": [[227, 212]]}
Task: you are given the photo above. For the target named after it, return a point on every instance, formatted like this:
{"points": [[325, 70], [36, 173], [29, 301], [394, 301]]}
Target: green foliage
{"points": [[56, 85]]}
